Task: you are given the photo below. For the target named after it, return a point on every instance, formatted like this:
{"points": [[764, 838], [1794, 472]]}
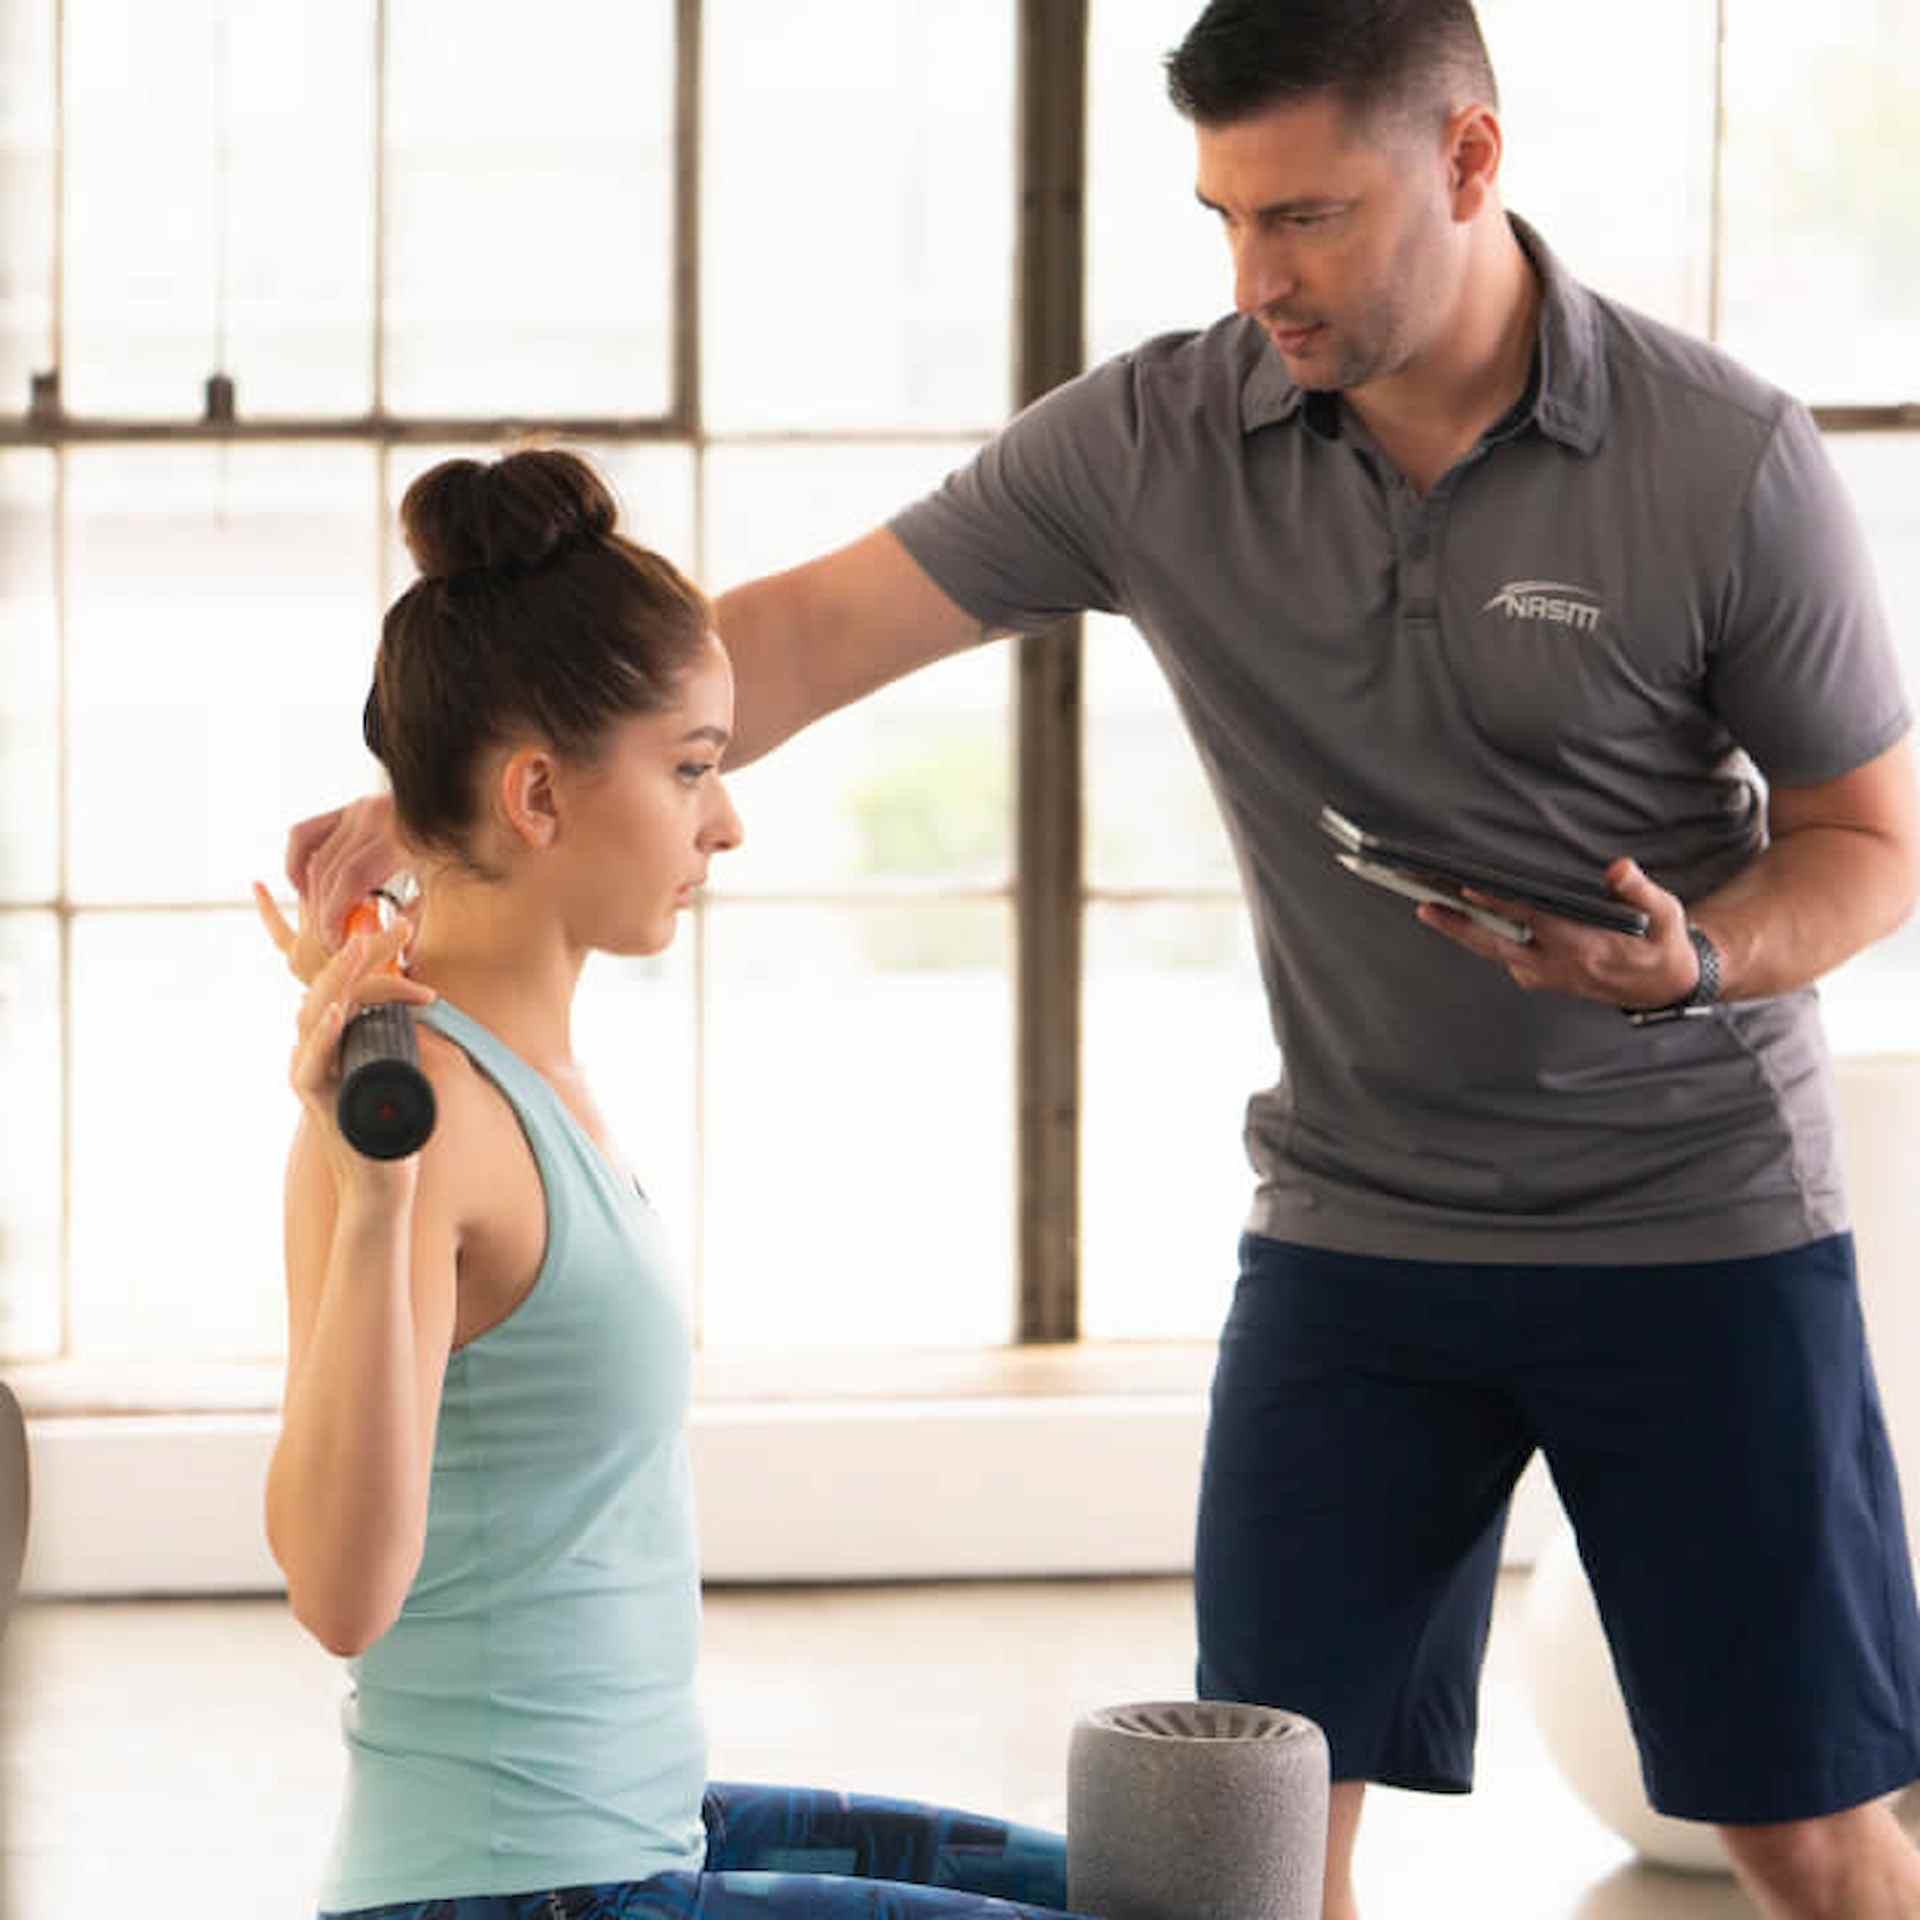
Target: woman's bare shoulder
{"points": [[477, 1145]]}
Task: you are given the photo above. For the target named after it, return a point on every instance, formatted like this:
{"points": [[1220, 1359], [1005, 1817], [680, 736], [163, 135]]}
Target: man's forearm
{"points": [[809, 641], [1812, 900], [764, 627]]}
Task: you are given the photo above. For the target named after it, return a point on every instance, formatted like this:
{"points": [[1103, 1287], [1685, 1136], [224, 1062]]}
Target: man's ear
{"points": [[527, 798], [1475, 147]]}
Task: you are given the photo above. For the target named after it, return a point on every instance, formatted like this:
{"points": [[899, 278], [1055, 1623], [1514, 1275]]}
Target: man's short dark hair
{"points": [[1405, 60]]}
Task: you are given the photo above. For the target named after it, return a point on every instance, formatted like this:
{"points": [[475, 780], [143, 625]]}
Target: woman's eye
{"points": [[692, 770]]}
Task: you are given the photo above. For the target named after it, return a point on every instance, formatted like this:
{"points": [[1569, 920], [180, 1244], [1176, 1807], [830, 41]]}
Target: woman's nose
{"points": [[723, 829]]}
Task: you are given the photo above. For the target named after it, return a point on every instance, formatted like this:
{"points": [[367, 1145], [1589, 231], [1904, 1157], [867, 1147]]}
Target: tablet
{"points": [[1442, 877]]}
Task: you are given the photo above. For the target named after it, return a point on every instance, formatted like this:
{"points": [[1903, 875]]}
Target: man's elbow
{"points": [[1903, 892]]}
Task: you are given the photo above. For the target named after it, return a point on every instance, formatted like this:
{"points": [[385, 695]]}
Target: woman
{"points": [[480, 1491]]}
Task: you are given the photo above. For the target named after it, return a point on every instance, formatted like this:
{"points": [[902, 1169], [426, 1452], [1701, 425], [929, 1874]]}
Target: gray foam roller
{"points": [[1179, 1809]]}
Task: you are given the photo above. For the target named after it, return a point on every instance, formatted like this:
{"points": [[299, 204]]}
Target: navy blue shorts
{"points": [[1716, 1437]]}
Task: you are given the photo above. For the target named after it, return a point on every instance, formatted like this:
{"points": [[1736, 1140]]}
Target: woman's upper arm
{"points": [[441, 1203]]}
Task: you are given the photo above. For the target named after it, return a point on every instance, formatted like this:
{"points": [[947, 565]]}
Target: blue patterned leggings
{"points": [[794, 1853]]}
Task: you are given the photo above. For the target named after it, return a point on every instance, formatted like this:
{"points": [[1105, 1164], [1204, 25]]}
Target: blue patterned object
{"points": [[799, 1853]]}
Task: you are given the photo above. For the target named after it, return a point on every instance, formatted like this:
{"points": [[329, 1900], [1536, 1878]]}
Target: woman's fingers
{"points": [[332, 982], [303, 951], [275, 922], [358, 976], [366, 970]]}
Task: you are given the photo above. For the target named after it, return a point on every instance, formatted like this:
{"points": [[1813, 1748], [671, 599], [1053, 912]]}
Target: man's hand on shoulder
{"points": [[336, 859], [1566, 956]]}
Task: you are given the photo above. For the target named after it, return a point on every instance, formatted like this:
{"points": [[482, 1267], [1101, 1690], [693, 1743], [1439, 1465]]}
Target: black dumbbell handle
{"points": [[386, 1103]]}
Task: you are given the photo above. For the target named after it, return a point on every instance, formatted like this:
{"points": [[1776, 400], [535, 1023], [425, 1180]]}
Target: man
{"points": [[1430, 532]]}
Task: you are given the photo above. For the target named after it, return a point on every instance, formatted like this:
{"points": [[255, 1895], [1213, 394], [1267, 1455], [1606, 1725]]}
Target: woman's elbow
{"points": [[345, 1626], [345, 1617]]}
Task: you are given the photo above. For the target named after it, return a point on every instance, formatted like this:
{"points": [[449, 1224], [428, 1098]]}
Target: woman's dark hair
{"points": [[1401, 60], [531, 614]]}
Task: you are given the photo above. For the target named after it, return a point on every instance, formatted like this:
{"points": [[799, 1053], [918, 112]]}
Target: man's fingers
{"points": [[1630, 884], [305, 838], [345, 873]]}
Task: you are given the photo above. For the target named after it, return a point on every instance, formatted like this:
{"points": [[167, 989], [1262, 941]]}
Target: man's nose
{"points": [[1263, 274]]}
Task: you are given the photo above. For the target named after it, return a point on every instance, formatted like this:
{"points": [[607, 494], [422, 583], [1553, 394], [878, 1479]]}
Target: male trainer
{"points": [[1431, 532]]}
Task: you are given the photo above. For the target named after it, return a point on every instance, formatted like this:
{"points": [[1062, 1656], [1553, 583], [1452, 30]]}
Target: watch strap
{"points": [[1705, 994]]}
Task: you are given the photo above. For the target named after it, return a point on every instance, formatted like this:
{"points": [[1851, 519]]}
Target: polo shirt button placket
{"points": [[1419, 601]]}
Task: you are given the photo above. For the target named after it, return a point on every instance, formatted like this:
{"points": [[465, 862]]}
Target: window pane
{"points": [[859, 1138], [1176, 1038], [299, 259], [222, 618], [859, 213], [29, 681], [30, 1136], [1573, 166], [1151, 817], [635, 1034], [914, 784], [182, 1026], [26, 198], [1873, 1003], [1156, 261], [529, 208], [1823, 196], [652, 480], [218, 205]]}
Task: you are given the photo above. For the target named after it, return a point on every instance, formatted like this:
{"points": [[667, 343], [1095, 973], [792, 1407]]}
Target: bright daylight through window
{"points": [[771, 289]]}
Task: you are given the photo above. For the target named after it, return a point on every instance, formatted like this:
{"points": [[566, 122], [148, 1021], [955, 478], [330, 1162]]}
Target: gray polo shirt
{"points": [[1582, 643]]}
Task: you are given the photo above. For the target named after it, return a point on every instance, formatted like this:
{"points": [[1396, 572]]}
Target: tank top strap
{"points": [[565, 1152]]}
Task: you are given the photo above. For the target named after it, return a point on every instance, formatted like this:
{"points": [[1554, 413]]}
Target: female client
{"points": [[480, 1490]]}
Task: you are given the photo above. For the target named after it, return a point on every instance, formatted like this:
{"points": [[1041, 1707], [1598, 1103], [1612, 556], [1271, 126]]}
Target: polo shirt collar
{"points": [[1572, 405]]}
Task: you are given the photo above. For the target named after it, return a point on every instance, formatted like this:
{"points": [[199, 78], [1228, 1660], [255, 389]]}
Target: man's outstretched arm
{"points": [[803, 642], [820, 636]]}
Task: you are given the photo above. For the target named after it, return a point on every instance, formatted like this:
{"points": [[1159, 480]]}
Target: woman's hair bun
{"points": [[506, 517]]}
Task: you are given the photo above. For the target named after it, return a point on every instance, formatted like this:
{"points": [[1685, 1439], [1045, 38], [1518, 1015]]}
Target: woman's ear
{"points": [[527, 796]]}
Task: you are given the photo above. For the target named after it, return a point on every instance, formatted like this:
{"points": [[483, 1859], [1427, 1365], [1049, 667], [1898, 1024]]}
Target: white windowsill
{"points": [[808, 1467]]}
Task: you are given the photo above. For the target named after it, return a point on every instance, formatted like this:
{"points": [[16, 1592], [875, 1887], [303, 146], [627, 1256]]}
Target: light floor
{"points": [[179, 1759]]}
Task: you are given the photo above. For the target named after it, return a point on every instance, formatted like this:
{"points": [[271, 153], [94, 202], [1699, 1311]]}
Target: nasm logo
{"points": [[1553, 601]]}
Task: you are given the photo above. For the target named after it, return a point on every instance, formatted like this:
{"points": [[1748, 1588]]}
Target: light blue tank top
{"points": [[529, 1720]]}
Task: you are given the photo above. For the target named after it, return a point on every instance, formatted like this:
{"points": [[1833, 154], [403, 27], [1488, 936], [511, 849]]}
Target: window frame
{"points": [[1048, 890]]}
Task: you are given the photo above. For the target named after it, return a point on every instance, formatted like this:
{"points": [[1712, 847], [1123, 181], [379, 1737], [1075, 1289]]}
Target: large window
{"points": [[261, 263]]}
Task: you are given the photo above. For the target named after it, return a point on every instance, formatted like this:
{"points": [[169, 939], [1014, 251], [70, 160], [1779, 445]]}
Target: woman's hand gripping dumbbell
{"points": [[357, 1046]]}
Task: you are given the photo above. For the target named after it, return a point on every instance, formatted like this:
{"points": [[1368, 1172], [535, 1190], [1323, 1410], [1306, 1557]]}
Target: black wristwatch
{"points": [[1703, 998]]}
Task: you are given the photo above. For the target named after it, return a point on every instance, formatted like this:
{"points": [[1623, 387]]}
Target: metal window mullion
{"points": [[378, 342], [689, 38], [58, 290], [1890, 419], [63, 885], [1717, 215], [1050, 331]]}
